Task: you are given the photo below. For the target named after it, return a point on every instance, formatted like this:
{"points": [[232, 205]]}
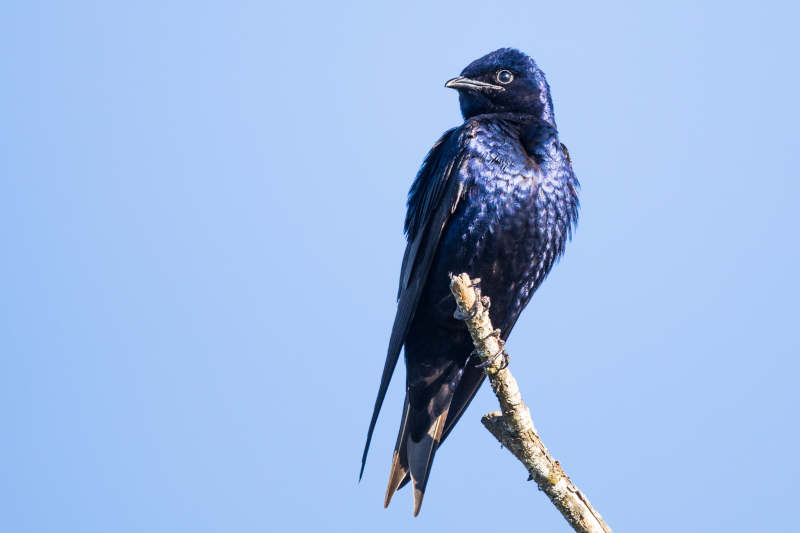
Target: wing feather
{"points": [[432, 199]]}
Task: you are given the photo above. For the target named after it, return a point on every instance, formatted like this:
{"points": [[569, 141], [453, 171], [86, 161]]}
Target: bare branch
{"points": [[514, 427]]}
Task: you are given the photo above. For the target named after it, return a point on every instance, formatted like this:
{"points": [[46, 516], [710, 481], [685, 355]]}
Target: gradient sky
{"points": [[200, 216]]}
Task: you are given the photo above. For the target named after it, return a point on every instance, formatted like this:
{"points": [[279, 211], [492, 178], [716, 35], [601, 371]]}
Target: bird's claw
{"points": [[500, 353], [490, 361], [472, 313]]}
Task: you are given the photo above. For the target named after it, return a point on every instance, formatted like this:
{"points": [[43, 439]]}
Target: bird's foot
{"points": [[500, 353], [470, 314]]}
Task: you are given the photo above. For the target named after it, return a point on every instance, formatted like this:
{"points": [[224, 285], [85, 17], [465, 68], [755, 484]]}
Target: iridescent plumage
{"points": [[497, 198]]}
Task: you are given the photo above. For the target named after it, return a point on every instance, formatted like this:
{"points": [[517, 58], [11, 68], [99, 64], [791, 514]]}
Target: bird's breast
{"points": [[514, 217], [503, 185]]}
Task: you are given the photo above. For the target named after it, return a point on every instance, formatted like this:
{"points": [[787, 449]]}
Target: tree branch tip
{"points": [[512, 426]]}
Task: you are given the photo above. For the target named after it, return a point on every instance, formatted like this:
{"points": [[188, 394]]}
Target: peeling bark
{"points": [[513, 426]]}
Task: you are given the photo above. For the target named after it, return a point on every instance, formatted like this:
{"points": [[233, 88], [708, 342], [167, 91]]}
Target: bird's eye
{"points": [[505, 76]]}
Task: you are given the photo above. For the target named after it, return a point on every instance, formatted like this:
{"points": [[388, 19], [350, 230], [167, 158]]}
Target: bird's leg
{"points": [[473, 353], [500, 353], [457, 378]]}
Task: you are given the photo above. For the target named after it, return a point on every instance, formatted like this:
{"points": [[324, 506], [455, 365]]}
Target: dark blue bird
{"points": [[495, 198]]}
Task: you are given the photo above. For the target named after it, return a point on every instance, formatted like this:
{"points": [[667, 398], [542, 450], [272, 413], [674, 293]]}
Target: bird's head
{"points": [[503, 81]]}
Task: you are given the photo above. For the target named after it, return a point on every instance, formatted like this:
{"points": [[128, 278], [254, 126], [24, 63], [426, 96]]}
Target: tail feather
{"points": [[420, 458], [448, 394], [412, 460], [470, 383], [398, 477], [399, 472]]}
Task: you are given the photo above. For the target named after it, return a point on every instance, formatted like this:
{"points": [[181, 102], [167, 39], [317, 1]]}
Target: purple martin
{"points": [[496, 198]]}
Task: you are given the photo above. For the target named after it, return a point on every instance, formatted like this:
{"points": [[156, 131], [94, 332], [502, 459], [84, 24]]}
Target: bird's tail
{"points": [[414, 458]]}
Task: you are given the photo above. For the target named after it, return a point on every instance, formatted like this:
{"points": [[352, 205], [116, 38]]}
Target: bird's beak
{"points": [[463, 82]]}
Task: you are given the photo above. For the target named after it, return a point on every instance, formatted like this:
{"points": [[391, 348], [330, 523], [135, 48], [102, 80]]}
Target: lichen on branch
{"points": [[513, 426]]}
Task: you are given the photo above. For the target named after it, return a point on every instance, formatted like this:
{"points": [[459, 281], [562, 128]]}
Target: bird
{"points": [[497, 198]]}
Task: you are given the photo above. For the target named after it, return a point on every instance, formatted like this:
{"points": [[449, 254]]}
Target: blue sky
{"points": [[200, 213]]}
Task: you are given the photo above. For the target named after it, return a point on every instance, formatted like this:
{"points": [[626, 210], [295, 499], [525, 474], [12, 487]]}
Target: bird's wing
{"points": [[432, 199]]}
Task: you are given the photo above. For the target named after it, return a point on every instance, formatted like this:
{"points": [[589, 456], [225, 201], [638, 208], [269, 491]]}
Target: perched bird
{"points": [[496, 198]]}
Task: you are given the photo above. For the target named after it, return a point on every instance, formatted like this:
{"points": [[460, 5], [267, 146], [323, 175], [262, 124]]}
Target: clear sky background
{"points": [[200, 217]]}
